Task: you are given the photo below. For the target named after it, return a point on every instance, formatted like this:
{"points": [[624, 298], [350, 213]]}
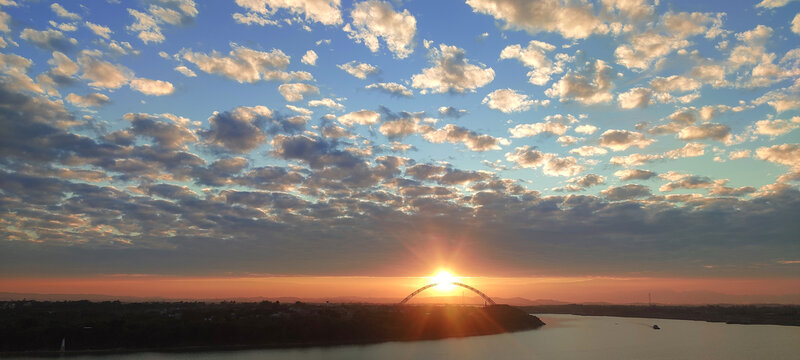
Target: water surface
{"points": [[564, 337]]}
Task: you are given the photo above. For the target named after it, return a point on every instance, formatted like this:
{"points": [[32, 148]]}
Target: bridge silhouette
{"points": [[426, 287]]}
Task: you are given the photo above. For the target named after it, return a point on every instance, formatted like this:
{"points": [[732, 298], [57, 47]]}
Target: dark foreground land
{"points": [[731, 314], [34, 326]]}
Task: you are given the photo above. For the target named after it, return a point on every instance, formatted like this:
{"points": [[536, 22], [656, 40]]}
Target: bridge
{"points": [[426, 287]]}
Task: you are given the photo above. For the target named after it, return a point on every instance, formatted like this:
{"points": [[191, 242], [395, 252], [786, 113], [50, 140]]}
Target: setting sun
{"points": [[444, 280]]}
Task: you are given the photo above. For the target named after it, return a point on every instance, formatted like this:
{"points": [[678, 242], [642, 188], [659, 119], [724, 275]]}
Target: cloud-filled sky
{"points": [[319, 137]]}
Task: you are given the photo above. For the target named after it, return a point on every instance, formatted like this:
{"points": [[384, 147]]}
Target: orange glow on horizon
{"points": [[392, 289], [444, 281]]}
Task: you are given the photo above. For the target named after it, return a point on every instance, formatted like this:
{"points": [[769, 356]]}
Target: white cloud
{"points": [[739, 154], [152, 87], [590, 88], [148, 24], [245, 65], [526, 130], [588, 150], [185, 71], [310, 58], [104, 74], [705, 131], [574, 20], [777, 126], [674, 83], [259, 11], [402, 127], [451, 72], [786, 154], [551, 164], [391, 88], [635, 98], [534, 56], [508, 101], [89, 100], [634, 159], [634, 174], [796, 24], [52, 40], [619, 140], [361, 117], [472, 140], [295, 91], [646, 48], [359, 70], [710, 74], [99, 30], [769, 4], [693, 149], [327, 102], [373, 19], [585, 129], [64, 13]]}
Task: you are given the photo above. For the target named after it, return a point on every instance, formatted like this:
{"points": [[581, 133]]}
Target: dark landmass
{"points": [[731, 314], [36, 326]]}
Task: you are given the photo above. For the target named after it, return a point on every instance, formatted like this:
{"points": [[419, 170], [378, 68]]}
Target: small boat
{"points": [[655, 327]]}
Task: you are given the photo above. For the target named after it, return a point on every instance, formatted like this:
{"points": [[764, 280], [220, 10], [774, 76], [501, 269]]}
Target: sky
{"points": [[605, 141]]}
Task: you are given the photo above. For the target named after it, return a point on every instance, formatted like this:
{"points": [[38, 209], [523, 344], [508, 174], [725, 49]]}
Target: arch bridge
{"points": [[426, 287]]}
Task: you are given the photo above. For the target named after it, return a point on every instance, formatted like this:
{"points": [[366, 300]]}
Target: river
{"points": [[564, 337]]}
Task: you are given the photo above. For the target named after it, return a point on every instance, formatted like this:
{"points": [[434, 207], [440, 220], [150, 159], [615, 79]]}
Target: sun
{"points": [[444, 280]]}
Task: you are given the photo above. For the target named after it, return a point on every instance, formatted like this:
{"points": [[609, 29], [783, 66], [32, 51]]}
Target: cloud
{"points": [[152, 87], [165, 134], [103, 74], [782, 99], [674, 83], [588, 150], [89, 100], [295, 91], [585, 129], [326, 12], [185, 71], [451, 72], [401, 127], [619, 140], [64, 13], [786, 154], [593, 87], [449, 111], [173, 12], [314, 151], [99, 30], [359, 70], [571, 20], [361, 117], [391, 88], [776, 127], [739, 154], [526, 130], [327, 102], [373, 19], [310, 58], [634, 159], [635, 98], [626, 192], [693, 149], [588, 180], [52, 40], [684, 181], [534, 56], [245, 65], [508, 101], [770, 4], [646, 48], [472, 140], [717, 132], [238, 130], [796, 24], [634, 174], [551, 164]]}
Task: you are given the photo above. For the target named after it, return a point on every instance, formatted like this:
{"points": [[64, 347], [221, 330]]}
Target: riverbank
{"points": [[87, 327], [788, 315]]}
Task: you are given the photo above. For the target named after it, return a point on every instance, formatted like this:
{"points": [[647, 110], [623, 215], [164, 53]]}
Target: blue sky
{"points": [[319, 137]]}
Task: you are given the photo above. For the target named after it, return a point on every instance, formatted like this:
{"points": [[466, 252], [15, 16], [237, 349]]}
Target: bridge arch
{"points": [[426, 287]]}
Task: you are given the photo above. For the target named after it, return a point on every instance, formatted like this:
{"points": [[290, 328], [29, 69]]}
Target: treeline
{"points": [[41, 326], [731, 314]]}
